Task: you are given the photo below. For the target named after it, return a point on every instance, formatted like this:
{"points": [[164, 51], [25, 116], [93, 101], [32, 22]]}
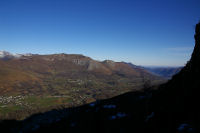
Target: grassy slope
{"points": [[42, 77]]}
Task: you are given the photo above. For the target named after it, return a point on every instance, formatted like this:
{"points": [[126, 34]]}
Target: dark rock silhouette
{"points": [[173, 108], [177, 101]]}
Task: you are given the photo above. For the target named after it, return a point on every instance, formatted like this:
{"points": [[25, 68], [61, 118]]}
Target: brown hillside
{"points": [[36, 74]]}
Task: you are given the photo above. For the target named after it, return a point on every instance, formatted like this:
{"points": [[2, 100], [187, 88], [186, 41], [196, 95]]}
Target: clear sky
{"points": [[144, 32]]}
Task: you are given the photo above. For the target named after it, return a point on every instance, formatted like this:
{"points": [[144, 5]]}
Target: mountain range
{"points": [[39, 74], [45, 81], [166, 72]]}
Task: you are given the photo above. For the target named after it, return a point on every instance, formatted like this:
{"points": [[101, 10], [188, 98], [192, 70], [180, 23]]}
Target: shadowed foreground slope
{"points": [[173, 108]]}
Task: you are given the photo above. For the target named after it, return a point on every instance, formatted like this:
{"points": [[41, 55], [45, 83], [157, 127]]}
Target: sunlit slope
{"points": [[58, 74]]}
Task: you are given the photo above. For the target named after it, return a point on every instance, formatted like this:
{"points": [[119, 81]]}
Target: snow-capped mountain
{"points": [[8, 55]]}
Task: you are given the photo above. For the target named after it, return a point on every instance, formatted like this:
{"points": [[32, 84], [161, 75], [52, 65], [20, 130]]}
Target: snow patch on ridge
{"points": [[5, 54]]}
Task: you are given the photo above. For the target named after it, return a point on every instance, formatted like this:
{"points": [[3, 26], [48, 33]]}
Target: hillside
{"points": [[63, 79], [39, 74], [173, 108]]}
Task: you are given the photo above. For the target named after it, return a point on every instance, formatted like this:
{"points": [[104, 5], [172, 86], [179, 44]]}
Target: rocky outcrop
{"points": [[188, 79], [176, 102]]}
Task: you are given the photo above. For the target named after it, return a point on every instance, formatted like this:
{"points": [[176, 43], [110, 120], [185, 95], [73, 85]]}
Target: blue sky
{"points": [[144, 32]]}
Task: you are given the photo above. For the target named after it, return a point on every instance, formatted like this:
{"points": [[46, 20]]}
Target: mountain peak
{"points": [[194, 61], [4, 53], [7, 55]]}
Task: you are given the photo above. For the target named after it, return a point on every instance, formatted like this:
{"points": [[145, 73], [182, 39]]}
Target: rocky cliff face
{"points": [[177, 101], [185, 85], [191, 72]]}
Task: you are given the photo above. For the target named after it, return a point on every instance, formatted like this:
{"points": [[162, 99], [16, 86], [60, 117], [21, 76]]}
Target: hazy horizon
{"points": [[145, 33]]}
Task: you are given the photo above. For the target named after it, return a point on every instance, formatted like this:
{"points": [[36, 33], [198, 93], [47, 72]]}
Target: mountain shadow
{"points": [[172, 108]]}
